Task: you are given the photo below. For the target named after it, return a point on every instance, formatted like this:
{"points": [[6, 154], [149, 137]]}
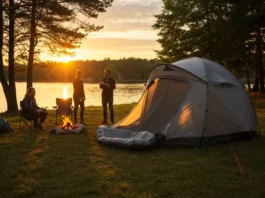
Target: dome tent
{"points": [[192, 102]]}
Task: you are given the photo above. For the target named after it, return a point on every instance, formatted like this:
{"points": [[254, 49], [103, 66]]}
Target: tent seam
{"points": [[205, 114]]}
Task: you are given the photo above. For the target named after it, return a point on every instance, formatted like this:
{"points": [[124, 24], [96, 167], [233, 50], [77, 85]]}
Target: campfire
{"points": [[67, 123], [64, 110], [67, 126]]}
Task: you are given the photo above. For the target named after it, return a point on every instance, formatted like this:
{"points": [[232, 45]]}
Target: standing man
{"points": [[107, 85], [79, 96], [31, 111]]}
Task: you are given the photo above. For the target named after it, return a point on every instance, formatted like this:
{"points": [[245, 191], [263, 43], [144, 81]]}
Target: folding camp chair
{"points": [[23, 121], [63, 107]]}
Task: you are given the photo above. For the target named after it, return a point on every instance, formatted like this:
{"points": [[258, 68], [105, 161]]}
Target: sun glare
{"points": [[64, 59], [65, 93]]}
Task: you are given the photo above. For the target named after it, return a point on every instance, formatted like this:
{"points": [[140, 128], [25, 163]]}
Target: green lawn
{"points": [[40, 164]]}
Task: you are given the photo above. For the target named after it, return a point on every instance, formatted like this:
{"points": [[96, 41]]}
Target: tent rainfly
{"points": [[193, 102]]}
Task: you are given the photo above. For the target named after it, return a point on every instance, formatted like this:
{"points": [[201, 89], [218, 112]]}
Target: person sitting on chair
{"points": [[31, 111]]}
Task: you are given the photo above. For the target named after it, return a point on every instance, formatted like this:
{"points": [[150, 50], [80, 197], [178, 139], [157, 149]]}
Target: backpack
{"points": [[5, 126]]}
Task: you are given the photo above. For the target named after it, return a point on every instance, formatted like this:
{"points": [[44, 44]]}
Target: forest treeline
{"points": [[125, 69], [122, 69]]}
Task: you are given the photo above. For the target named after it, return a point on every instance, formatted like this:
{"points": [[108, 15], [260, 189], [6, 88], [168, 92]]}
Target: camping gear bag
{"points": [[5, 126]]}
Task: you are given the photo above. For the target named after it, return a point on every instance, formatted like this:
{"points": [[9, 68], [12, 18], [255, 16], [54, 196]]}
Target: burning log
{"points": [[67, 123], [68, 128]]}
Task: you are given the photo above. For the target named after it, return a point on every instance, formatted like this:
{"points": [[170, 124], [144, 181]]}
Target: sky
{"points": [[127, 33]]}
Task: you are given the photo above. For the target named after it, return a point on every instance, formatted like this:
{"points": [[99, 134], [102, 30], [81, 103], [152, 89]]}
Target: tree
{"points": [[2, 75], [32, 44], [48, 21], [40, 24], [199, 28], [255, 25], [10, 87], [258, 21], [224, 31]]}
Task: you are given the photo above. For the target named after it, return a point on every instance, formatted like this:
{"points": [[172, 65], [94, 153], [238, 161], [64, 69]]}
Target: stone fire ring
{"points": [[77, 129]]}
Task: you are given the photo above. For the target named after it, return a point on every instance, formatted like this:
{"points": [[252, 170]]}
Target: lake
{"points": [[46, 93]]}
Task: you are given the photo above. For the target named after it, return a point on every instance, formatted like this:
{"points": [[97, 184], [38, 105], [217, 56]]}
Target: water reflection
{"points": [[46, 93]]}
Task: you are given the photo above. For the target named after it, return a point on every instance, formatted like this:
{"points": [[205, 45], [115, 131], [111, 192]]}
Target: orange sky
{"points": [[127, 32]]}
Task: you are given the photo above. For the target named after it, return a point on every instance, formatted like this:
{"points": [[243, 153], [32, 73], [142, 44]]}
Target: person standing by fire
{"points": [[107, 85], [79, 96]]}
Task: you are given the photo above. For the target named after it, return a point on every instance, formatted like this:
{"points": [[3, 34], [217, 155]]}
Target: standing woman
{"points": [[79, 96]]}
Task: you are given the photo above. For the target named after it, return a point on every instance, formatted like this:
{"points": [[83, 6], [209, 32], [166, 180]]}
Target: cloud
{"points": [[99, 55], [127, 31], [114, 48], [117, 44], [140, 35], [125, 15]]}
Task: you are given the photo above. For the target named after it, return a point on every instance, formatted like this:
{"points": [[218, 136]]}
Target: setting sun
{"points": [[64, 59]]}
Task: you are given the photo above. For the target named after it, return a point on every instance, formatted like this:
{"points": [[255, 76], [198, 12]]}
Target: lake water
{"points": [[46, 93]]}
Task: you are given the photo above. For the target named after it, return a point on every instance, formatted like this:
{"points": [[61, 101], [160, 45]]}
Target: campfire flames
{"points": [[67, 123], [64, 109]]}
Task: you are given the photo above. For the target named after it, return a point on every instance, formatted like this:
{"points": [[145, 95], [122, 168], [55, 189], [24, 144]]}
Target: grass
{"points": [[40, 164]]}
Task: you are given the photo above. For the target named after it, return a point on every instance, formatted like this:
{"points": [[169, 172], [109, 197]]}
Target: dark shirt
{"points": [[107, 92], [78, 89], [29, 105]]}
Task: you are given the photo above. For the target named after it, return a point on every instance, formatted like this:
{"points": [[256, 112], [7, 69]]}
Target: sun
{"points": [[64, 59]]}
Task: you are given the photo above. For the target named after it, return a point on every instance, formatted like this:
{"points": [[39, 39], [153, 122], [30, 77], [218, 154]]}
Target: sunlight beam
{"points": [[65, 93]]}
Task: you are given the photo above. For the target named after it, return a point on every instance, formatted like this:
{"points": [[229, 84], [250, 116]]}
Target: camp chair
{"points": [[63, 107], [24, 121]]}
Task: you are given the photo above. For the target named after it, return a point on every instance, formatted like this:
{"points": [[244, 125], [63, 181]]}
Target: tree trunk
{"points": [[31, 44], [256, 82], [249, 87], [11, 96], [2, 76], [261, 75], [260, 62]]}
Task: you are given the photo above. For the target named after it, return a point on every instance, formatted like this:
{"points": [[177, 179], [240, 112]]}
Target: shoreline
{"points": [[90, 106], [89, 82]]}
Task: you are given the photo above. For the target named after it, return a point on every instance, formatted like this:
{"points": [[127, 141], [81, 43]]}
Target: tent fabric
{"points": [[207, 70], [232, 107], [189, 119], [192, 102], [159, 70], [158, 98]]}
